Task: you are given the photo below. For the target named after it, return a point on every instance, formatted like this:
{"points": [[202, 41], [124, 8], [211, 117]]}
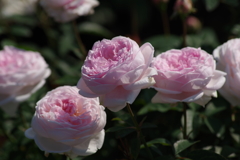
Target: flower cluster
{"points": [[70, 120]]}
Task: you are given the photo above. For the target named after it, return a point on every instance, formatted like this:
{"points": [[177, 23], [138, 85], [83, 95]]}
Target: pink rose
{"points": [[116, 70], [228, 60], [67, 10], [67, 123], [186, 75], [22, 73]]}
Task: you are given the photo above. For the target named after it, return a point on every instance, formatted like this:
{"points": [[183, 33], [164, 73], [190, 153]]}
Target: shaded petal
{"points": [[51, 146], [173, 98], [84, 90], [89, 147], [195, 84], [29, 133], [143, 83], [118, 98]]}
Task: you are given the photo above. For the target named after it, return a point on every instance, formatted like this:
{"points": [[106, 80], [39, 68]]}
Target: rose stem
{"points": [[185, 106], [163, 9], [139, 130], [184, 23], [78, 38]]}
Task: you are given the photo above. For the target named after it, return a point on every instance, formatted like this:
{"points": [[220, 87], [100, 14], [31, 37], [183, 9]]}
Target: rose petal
{"points": [[143, 83], [147, 51], [89, 147], [217, 80], [173, 98], [51, 146], [118, 98], [29, 133], [84, 90]]}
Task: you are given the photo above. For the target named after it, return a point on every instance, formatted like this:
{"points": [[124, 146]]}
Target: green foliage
{"points": [[213, 131]]}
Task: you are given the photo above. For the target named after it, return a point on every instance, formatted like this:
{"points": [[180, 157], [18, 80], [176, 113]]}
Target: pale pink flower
{"points": [[116, 70], [67, 10], [67, 123], [228, 60], [22, 73], [186, 75]]}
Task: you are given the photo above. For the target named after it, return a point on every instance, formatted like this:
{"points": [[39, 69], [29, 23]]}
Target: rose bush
{"points": [[228, 60], [67, 123], [22, 73], [67, 10], [186, 75], [116, 70]]}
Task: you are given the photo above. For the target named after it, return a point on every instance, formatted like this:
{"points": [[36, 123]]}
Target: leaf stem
{"points": [[185, 106], [138, 128]]}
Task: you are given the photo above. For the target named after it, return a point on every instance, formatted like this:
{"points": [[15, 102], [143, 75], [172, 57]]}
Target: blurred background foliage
{"points": [[213, 130]]}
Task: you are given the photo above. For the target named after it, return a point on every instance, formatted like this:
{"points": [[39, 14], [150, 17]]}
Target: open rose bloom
{"points": [[186, 75], [228, 60], [67, 123], [22, 73], [67, 10], [116, 70]]}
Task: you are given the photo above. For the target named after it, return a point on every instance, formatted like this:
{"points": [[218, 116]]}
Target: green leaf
{"points": [[7, 42], [227, 150], [213, 124], [163, 43], [115, 128], [21, 31], [211, 4], [148, 125], [124, 132], [211, 109], [161, 141], [233, 3], [181, 145], [204, 155], [155, 149], [165, 158], [95, 29], [206, 37], [135, 147], [161, 107]]}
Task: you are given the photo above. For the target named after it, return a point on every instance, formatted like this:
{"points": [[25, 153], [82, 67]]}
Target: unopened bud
{"points": [[183, 6], [193, 24]]}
